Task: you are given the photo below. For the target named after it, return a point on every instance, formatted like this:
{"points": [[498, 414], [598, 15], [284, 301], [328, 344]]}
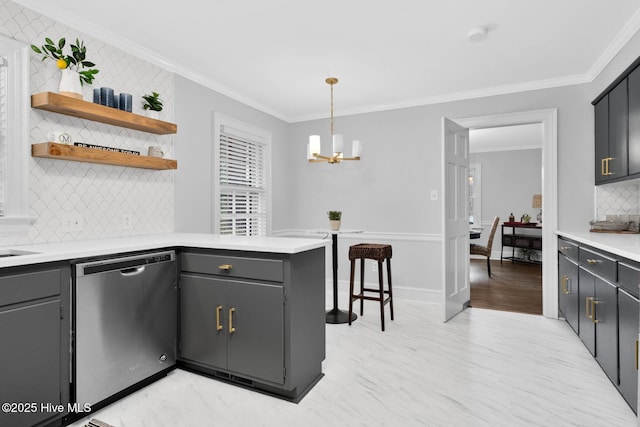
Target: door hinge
{"points": [[284, 298], [61, 311], [284, 373]]}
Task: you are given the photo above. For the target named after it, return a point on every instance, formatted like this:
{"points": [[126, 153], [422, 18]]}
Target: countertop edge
{"points": [[624, 245], [63, 251]]}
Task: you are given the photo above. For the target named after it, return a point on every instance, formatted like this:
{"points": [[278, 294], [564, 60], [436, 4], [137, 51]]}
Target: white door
{"points": [[455, 217]]}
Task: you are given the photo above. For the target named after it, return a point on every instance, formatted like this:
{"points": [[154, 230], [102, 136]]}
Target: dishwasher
{"points": [[125, 323]]}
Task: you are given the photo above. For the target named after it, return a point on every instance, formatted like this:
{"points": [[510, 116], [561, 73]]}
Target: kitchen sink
{"points": [[14, 252]]}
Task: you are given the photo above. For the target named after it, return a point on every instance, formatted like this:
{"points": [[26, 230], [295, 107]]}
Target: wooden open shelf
{"points": [[69, 106], [52, 150]]}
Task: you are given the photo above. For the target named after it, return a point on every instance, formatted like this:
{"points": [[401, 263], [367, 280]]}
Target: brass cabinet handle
{"points": [[593, 261], [587, 300], [594, 302], [565, 248], [218, 325], [602, 172], [231, 328], [608, 160], [226, 267], [566, 280]]}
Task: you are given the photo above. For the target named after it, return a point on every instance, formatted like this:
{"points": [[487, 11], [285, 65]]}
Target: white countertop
{"points": [[625, 245], [90, 248]]}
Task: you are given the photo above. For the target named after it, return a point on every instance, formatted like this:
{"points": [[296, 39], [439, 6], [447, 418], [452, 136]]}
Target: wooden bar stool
{"points": [[379, 253]]}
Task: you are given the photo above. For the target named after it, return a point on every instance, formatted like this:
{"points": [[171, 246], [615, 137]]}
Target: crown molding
{"points": [[69, 18]]}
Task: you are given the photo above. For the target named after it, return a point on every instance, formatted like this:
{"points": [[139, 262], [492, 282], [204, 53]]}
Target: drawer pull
{"points": [[218, 325], [231, 328], [588, 307], [593, 261], [565, 248], [225, 267], [565, 288]]}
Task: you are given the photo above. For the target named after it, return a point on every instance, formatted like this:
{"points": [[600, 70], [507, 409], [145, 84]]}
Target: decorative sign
{"points": [[100, 147]]}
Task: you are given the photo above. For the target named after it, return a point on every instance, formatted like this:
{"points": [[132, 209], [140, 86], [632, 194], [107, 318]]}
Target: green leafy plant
{"points": [[334, 215], [152, 102], [76, 61]]}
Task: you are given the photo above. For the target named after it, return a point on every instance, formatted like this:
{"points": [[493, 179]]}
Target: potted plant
{"points": [[334, 220], [73, 76], [152, 104]]}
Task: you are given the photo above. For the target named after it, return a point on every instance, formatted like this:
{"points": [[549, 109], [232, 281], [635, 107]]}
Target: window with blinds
{"points": [[243, 184]]}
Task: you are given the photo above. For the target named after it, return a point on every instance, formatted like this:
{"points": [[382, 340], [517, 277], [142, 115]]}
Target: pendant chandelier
{"points": [[313, 148]]}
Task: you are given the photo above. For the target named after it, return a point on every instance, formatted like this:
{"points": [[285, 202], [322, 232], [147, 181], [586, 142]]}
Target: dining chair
{"points": [[486, 250]]}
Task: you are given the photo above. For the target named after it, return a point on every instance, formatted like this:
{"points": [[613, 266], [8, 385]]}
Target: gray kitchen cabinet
{"points": [[628, 329], [255, 319], [599, 321], [568, 298], [226, 323], [34, 362]]}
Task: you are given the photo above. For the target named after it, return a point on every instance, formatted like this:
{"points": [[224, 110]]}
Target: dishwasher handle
{"points": [[132, 271]]}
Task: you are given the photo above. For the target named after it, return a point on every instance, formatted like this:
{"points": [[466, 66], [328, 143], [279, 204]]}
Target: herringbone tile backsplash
{"points": [[101, 194]]}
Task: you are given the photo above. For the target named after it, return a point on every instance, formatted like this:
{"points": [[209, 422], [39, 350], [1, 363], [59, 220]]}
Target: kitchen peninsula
{"points": [[251, 311]]}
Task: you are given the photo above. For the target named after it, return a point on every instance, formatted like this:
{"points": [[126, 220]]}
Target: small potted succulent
{"points": [[334, 220], [152, 104]]}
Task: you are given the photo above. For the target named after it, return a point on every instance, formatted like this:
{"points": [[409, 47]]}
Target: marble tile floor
{"points": [[483, 368]]}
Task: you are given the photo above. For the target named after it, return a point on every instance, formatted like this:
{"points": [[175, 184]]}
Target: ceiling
{"points": [[275, 55]]}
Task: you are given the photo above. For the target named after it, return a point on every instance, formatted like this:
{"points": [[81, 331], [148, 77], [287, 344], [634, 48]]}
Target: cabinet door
{"points": [[634, 121], [605, 312], [202, 313], [256, 346], [568, 291], [628, 313], [601, 110], [618, 131], [587, 291], [30, 360]]}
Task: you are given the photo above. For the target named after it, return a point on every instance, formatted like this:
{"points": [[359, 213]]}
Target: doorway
{"points": [[548, 119], [505, 179]]}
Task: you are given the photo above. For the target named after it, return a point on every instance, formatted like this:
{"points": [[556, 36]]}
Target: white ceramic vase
{"points": [[70, 84]]}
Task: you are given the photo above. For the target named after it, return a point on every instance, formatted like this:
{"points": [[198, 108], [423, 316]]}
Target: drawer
{"points": [[568, 249], [234, 266], [29, 286], [629, 277], [599, 264]]}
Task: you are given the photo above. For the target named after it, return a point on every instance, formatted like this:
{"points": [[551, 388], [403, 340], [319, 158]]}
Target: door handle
{"points": [[602, 171], [132, 271], [231, 328], [607, 160], [218, 325]]}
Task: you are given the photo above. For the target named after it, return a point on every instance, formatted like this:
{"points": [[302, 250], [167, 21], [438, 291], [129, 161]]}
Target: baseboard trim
{"points": [[428, 296]]}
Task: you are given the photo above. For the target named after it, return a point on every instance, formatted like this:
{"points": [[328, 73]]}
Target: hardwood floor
{"points": [[513, 286]]}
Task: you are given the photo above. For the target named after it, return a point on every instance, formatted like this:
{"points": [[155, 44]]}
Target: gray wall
{"points": [[509, 180], [194, 107]]}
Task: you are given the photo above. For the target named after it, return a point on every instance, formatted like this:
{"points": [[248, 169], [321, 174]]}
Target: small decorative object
{"points": [[525, 218], [72, 74], [106, 96], [155, 151], [512, 218], [102, 148], [60, 137], [537, 204], [126, 101], [152, 104], [334, 220]]}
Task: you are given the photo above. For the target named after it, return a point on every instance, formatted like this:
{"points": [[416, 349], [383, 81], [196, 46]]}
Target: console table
{"points": [[522, 240]]}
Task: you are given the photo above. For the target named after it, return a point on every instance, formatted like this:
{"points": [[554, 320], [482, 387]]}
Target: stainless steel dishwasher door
{"points": [[125, 322]]}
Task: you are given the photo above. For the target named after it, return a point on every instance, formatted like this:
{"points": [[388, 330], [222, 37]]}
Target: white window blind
{"points": [[243, 184], [4, 91]]}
